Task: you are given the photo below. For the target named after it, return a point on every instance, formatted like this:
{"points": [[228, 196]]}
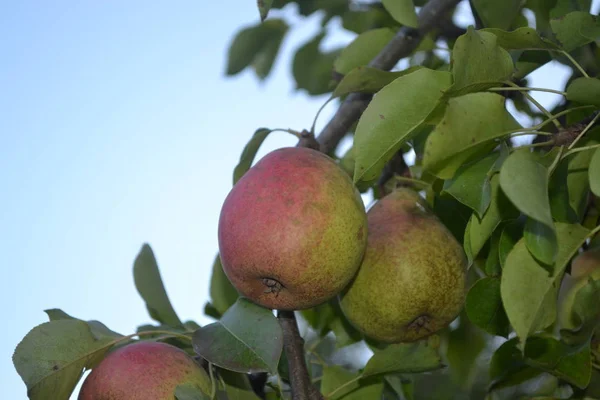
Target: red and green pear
{"points": [[293, 230], [143, 371]]}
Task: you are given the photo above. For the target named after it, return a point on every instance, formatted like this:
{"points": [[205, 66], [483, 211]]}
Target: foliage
{"points": [[521, 209]]}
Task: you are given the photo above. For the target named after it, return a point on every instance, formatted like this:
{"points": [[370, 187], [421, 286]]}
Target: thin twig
{"points": [[293, 344], [405, 41]]}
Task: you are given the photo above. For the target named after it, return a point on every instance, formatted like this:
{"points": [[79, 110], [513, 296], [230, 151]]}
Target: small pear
{"points": [[412, 279]]}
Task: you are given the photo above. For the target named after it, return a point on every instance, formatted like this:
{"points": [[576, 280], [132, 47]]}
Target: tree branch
{"points": [[293, 344], [405, 41]]}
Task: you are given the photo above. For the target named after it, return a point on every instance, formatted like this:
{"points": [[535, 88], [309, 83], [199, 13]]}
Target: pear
{"points": [[412, 279], [293, 230], [584, 266], [143, 371]]}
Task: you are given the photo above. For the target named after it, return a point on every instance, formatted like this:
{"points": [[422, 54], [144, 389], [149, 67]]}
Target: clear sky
{"points": [[117, 128]]}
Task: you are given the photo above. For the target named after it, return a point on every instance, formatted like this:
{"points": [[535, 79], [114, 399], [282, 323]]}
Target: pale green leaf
{"points": [[594, 173], [362, 49], [402, 11], [368, 80], [335, 376], [576, 29], [585, 91]]}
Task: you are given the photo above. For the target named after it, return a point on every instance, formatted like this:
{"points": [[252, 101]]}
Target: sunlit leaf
{"points": [[394, 114], [362, 49], [248, 338], [531, 308], [402, 11]]}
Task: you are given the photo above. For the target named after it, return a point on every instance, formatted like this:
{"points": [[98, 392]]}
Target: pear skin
{"points": [[412, 279], [293, 230]]}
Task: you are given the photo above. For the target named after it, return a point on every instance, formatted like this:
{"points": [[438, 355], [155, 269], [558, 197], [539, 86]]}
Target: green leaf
{"points": [[492, 262], [532, 307], [554, 357], [320, 317], [222, 293], [465, 344], [578, 180], [188, 391], [484, 307], [362, 49], [312, 68], [265, 59], [368, 80], [594, 173], [540, 240], [414, 357], [558, 192], [479, 230], [263, 7], [508, 368], [576, 29], [477, 59], [237, 386], [51, 357], [402, 11], [249, 152], [467, 129], [99, 330], [334, 377], [584, 91], [248, 338], [511, 233], [497, 14], [521, 39], [394, 114], [150, 286], [585, 313], [524, 179], [471, 184], [251, 41]]}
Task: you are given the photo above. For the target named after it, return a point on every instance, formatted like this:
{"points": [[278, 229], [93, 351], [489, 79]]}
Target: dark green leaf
{"points": [[578, 180], [363, 49], [345, 333], [508, 368], [467, 129], [471, 184], [263, 7], [222, 292], [395, 113], [477, 59], [334, 377], [594, 173], [540, 240], [479, 230], [511, 233], [51, 357], [558, 192], [524, 179], [492, 262], [529, 61], [188, 391], [402, 11], [497, 14], [237, 386], [265, 58], [581, 306], [553, 356], [320, 317], [368, 80], [533, 307], [584, 91], [406, 358], [520, 39], [248, 338], [453, 215], [249, 153], [99, 330], [211, 311], [150, 286], [484, 307], [465, 344], [312, 69], [576, 29]]}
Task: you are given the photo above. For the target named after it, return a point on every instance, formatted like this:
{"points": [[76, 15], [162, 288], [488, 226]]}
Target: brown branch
{"points": [[293, 344], [405, 41]]}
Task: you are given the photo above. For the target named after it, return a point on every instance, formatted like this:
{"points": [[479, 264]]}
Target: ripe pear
{"points": [[143, 371], [293, 230], [585, 265], [412, 279]]}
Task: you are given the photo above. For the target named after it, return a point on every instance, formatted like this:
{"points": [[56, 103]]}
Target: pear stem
{"points": [[293, 344]]}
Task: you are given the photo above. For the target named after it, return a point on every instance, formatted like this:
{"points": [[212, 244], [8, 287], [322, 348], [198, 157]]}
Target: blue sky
{"points": [[117, 128]]}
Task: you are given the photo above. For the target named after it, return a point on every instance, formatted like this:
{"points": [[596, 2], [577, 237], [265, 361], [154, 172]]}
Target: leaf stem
{"points": [[575, 63], [290, 131], [213, 388], [534, 101], [577, 150], [415, 182], [587, 128], [342, 386], [312, 128], [525, 89]]}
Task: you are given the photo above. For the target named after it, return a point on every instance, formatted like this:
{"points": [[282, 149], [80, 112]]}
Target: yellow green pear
{"points": [[412, 280], [585, 265]]}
